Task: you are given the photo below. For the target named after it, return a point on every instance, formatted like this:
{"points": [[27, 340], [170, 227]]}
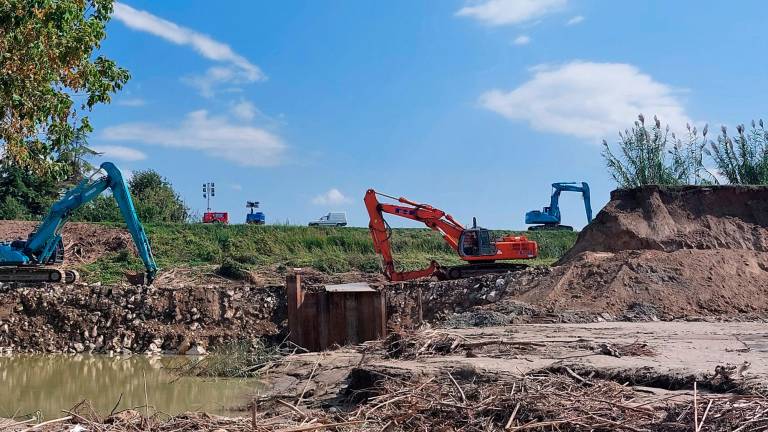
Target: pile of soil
{"points": [[130, 319], [680, 251], [84, 242]]}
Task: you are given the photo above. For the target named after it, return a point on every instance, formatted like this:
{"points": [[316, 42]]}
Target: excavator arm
{"points": [[474, 245], [41, 246], [571, 187], [433, 218]]}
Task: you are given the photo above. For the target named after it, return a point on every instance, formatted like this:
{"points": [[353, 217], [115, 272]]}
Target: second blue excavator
{"points": [[549, 217]]}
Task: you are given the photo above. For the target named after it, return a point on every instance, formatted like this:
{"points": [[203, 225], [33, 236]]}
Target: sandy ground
{"points": [[682, 352]]}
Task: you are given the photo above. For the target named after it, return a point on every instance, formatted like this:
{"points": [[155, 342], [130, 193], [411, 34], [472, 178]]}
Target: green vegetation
{"points": [[51, 76], [742, 159], [653, 155], [153, 196], [250, 247]]}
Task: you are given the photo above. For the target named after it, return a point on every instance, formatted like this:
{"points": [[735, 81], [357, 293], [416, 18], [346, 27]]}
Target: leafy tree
{"points": [[25, 195], [12, 209], [153, 196], [654, 155], [742, 159], [49, 78], [102, 209]]}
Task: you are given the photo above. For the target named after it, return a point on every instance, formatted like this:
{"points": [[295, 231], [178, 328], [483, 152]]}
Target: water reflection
{"points": [[53, 383]]}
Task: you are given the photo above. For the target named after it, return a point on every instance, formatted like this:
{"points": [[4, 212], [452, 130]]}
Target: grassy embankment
{"points": [[330, 250]]}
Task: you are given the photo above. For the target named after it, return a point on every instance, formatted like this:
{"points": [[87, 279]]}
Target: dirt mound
{"points": [[677, 284], [83, 242], [670, 219], [681, 251]]}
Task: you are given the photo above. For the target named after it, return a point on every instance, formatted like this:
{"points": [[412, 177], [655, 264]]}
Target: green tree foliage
{"points": [[153, 196], [49, 77], [12, 209], [654, 155], [742, 159]]}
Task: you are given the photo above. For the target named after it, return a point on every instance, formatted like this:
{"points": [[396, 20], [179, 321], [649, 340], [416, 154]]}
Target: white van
{"points": [[334, 219]]}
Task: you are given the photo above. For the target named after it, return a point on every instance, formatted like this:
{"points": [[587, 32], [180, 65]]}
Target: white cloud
{"points": [[244, 110], [237, 70], [332, 197], [209, 82], [501, 12], [587, 100], [120, 153], [214, 135], [522, 40], [575, 20], [236, 187], [131, 102]]}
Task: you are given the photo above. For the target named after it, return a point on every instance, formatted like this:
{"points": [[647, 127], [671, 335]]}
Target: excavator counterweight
{"points": [[474, 245]]}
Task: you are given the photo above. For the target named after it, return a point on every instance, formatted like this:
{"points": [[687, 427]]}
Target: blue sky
{"points": [[474, 107]]}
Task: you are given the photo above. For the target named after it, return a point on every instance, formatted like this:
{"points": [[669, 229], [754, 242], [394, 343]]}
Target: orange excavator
{"points": [[474, 245]]}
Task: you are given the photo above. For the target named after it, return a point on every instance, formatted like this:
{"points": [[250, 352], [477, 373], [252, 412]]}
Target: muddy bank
{"points": [[628, 376], [533, 377], [131, 319]]}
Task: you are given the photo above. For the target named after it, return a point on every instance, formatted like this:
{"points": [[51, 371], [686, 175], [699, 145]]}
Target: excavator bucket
{"points": [[139, 278]]}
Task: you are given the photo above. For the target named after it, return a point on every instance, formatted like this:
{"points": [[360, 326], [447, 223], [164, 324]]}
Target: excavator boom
{"points": [[471, 244]]}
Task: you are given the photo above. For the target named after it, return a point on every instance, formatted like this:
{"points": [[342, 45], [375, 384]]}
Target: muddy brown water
{"points": [[52, 383]]}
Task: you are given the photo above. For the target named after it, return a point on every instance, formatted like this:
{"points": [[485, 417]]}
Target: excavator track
{"points": [[551, 228], [472, 270], [71, 276], [33, 274]]}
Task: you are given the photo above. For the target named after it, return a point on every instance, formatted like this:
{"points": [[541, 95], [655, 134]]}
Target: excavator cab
{"points": [[476, 242]]}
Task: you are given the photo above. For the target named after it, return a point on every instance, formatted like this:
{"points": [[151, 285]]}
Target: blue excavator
{"points": [[549, 217], [35, 259]]}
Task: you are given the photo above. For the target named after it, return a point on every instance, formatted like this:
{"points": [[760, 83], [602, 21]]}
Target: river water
{"points": [[51, 383]]}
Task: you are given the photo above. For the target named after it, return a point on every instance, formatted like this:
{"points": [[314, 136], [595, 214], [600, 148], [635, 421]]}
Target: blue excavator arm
{"points": [[551, 215], [41, 245], [583, 188]]}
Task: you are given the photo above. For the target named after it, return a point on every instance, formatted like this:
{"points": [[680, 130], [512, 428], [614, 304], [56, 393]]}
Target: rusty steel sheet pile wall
{"points": [[323, 318]]}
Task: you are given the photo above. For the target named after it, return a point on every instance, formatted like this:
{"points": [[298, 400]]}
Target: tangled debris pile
{"points": [[129, 319], [431, 301], [410, 345], [375, 401]]}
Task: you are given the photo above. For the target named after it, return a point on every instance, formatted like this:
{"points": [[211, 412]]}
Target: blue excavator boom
{"points": [[549, 217], [31, 260]]}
